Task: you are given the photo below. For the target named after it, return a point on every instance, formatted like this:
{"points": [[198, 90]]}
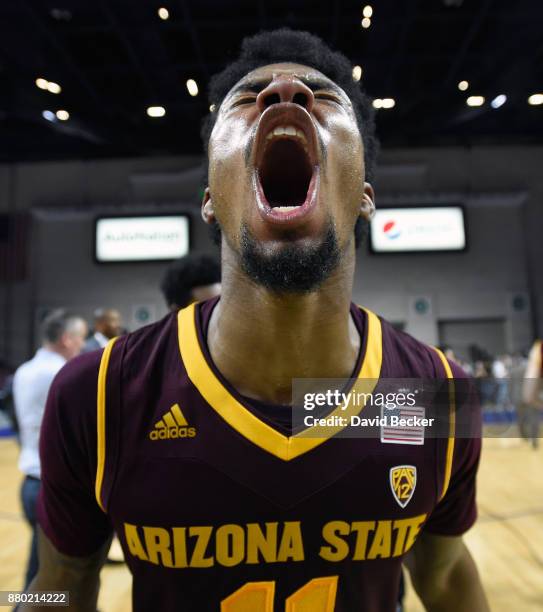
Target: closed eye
{"points": [[245, 99], [324, 95]]}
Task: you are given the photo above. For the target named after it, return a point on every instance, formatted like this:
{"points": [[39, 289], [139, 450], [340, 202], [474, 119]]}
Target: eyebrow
{"points": [[257, 85]]}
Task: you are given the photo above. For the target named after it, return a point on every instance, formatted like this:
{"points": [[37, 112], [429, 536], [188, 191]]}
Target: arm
{"points": [[80, 576], [445, 576], [532, 378]]}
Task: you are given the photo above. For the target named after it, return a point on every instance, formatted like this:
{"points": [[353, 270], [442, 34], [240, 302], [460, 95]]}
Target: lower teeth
{"points": [[285, 208]]}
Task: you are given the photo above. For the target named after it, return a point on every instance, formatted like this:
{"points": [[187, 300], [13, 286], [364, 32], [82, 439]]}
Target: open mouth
{"points": [[285, 169]]}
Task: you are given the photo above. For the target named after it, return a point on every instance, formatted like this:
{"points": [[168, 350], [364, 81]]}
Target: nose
{"points": [[285, 88]]}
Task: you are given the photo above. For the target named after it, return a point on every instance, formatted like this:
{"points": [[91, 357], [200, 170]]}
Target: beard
{"points": [[294, 268]]}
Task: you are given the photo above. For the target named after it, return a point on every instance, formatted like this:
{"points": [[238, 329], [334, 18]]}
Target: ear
{"points": [[208, 214], [367, 206]]}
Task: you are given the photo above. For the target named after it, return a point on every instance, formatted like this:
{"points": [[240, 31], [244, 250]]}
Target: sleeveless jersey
{"points": [[219, 511]]}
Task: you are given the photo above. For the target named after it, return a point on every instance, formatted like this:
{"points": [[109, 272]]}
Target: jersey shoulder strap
{"points": [[449, 452], [107, 418]]}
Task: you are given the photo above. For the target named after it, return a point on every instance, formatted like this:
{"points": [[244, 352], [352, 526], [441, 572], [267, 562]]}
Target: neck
{"points": [[260, 340]]}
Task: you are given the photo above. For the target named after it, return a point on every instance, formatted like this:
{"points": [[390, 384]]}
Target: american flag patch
{"points": [[402, 434]]}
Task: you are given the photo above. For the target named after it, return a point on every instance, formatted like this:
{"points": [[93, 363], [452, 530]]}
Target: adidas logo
{"points": [[172, 425]]}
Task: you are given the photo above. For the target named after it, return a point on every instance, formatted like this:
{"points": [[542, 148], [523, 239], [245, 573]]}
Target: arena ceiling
{"points": [[115, 58]]}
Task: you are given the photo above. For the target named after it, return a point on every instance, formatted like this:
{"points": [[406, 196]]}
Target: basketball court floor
{"points": [[507, 540]]}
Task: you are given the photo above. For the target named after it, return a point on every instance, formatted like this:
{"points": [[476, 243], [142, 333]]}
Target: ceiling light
{"points": [[377, 103], [499, 101], [366, 22], [475, 101], [49, 115], [156, 111], [357, 73], [389, 102], [368, 11], [163, 13], [50, 86], [63, 115], [54, 88], [192, 87], [463, 85], [535, 99], [212, 108]]}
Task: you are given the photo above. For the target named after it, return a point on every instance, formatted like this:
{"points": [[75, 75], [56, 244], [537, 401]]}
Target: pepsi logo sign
{"points": [[391, 230], [416, 229]]}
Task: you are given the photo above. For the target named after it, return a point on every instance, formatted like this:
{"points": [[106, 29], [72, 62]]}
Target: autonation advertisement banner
{"points": [[141, 238]]}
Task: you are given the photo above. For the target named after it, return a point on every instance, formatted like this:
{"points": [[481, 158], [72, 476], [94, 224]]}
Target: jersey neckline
{"points": [[251, 427]]}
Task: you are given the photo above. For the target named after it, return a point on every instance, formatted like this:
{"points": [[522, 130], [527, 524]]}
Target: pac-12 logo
{"points": [[403, 480], [391, 230]]}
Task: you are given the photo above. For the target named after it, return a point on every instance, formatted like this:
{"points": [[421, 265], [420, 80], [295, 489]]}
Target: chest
{"points": [[185, 464]]}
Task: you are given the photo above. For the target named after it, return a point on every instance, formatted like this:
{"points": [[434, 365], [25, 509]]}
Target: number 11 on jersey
{"points": [[317, 595]]}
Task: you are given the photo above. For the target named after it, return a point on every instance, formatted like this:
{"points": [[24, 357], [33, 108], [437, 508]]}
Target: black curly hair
{"points": [[183, 275], [286, 45]]}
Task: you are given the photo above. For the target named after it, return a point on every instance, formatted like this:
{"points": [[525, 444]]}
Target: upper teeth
{"points": [[287, 130]]}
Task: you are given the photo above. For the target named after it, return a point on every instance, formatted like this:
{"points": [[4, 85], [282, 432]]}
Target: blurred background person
{"points": [[193, 278], [449, 353], [63, 337], [532, 394], [107, 324], [517, 372], [500, 373], [6, 394]]}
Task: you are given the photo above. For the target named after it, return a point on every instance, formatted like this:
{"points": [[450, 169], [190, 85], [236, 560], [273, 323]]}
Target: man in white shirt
{"points": [[501, 390], [107, 325], [63, 338]]}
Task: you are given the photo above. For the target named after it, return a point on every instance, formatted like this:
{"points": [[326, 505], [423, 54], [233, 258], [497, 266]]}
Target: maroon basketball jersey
{"points": [[216, 509]]}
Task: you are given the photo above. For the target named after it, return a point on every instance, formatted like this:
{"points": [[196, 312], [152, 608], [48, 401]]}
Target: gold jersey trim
{"points": [[452, 424], [101, 421], [246, 423]]}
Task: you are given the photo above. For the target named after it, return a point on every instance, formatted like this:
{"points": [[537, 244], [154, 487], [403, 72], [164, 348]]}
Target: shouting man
{"points": [[179, 435]]}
